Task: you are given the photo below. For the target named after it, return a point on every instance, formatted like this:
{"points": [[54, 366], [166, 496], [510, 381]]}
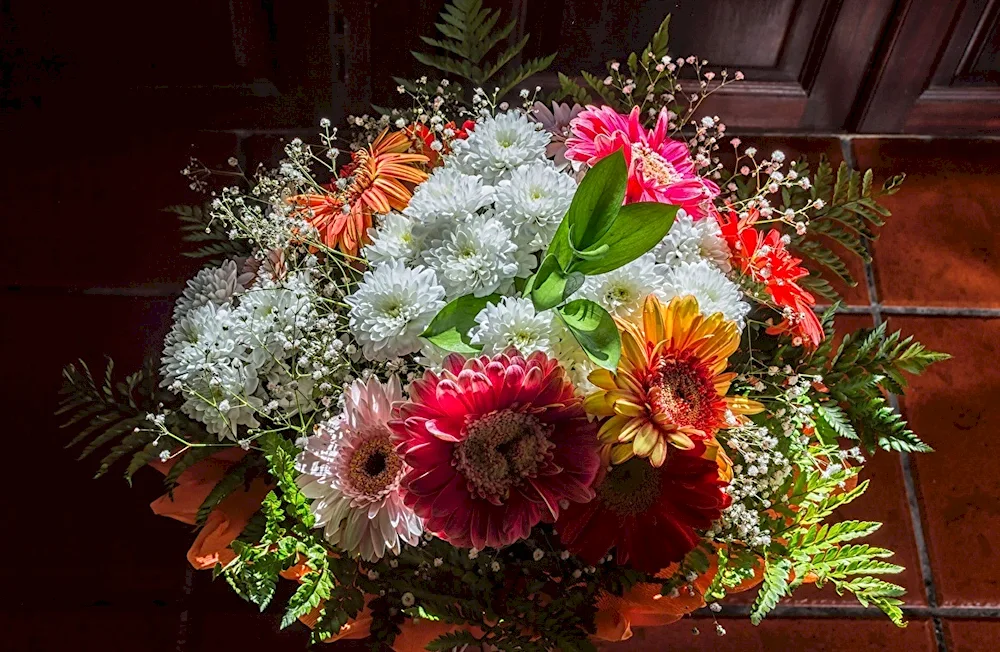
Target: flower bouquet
{"points": [[521, 378]]}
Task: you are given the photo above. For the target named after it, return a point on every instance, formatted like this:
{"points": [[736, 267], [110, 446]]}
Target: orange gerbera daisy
{"points": [[670, 387], [376, 183]]}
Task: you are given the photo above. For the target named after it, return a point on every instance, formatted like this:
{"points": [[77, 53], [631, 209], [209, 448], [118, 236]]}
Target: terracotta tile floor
{"points": [[95, 570]]}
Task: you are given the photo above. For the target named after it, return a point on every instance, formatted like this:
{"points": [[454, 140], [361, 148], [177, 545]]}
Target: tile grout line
{"points": [[909, 484]]}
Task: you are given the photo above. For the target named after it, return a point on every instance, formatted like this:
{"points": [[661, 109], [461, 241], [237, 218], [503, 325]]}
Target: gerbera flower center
{"points": [[631, 488], [654, 166], [500, 451], [374, 465], [681, 389]]}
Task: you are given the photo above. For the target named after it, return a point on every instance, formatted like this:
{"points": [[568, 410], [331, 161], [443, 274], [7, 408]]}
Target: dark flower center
{"points": [[630, 488], [682, 390], [374, 465], [501, 450]]}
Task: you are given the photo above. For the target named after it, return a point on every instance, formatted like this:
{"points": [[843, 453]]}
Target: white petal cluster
{"points": [[393, 239], [499, 145], [216, 285], [208, 353], [391, 307], [512, 322], [689, 241], [622, 291], [564, 348], [447, 197], [261, 350], [714, 292], [478, 256], [532, 201]]}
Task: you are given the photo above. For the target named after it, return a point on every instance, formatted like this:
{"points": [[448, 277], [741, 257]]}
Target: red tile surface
{"points": [[84, 210], [96, 541], [828, 635], [951, 407], [971, 635], [941, 247]]}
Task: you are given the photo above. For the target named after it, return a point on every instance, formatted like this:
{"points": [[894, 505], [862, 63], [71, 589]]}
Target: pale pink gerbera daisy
{"points": [[659, 169], [351, 471], [556, 122]]}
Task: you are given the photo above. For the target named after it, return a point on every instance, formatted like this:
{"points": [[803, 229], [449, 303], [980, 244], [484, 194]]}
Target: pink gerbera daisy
{"points": [[495, 446], [351, 471], [659, 169]]}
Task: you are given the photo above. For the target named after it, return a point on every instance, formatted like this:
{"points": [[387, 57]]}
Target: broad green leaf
{"points": [[595, 331], [450, 328], [637, 229], [551, 285], [595, 204]]}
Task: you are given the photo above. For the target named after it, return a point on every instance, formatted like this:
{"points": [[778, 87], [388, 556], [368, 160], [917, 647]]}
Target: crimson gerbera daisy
{"points": [[659, 169], [652, 516], [495, 445], [764, 258]]}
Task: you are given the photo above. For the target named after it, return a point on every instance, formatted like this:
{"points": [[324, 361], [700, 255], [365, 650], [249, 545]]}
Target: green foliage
{"points": [[238, 476], [551, 285], [636, 229], [594, 330], [869, 364], [214, 241], [469, 33], [449, 330], [113, 413], [849, 215], [773, 588]]}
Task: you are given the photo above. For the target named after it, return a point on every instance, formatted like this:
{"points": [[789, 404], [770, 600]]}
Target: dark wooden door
{"points": [[939, 71]]}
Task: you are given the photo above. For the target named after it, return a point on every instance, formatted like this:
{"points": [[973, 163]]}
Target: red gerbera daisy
{"points": [[495, 445], [651, 516], [764, 258]]}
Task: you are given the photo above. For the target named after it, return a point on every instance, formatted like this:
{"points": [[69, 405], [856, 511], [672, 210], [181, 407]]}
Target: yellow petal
{"points": [[659, 454], [646, 437], [603, 378], [680, 440], [599, 405], [629, 408], [621, 453], [610, 429]]}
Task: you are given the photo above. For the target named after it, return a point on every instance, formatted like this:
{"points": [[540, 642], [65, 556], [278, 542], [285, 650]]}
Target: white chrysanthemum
{"points": [[207, 361], [393, 239], [622, 291], [211, 285], [477, 257], [448, 196], [689, 241], [512, 322], [533, 201], [564, 348], [351, 471], [499, 145], [278, 315], [714, 292], [391, 307]]}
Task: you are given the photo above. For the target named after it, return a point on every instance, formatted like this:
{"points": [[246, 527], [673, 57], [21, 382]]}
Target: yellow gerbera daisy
{"points": [[671, 383]]}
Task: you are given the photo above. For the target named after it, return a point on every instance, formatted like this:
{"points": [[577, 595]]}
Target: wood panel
{"points": [[939, 71], [192, 63]]}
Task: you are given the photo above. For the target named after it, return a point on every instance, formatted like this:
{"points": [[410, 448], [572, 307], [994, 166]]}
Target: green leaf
{"points": [[595, 331], [595, 204], [315, 588], [635, 230], [774, 587], [449, 330], [551, 286]]}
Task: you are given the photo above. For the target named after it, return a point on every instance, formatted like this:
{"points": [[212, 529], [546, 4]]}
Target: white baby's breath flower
{"points": [[391, 307], [622, 291], [479, 257], [533, 201], [499, 145], [714, 292], [512, 322], [689, 241], [393, 239], [448, 196]]}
